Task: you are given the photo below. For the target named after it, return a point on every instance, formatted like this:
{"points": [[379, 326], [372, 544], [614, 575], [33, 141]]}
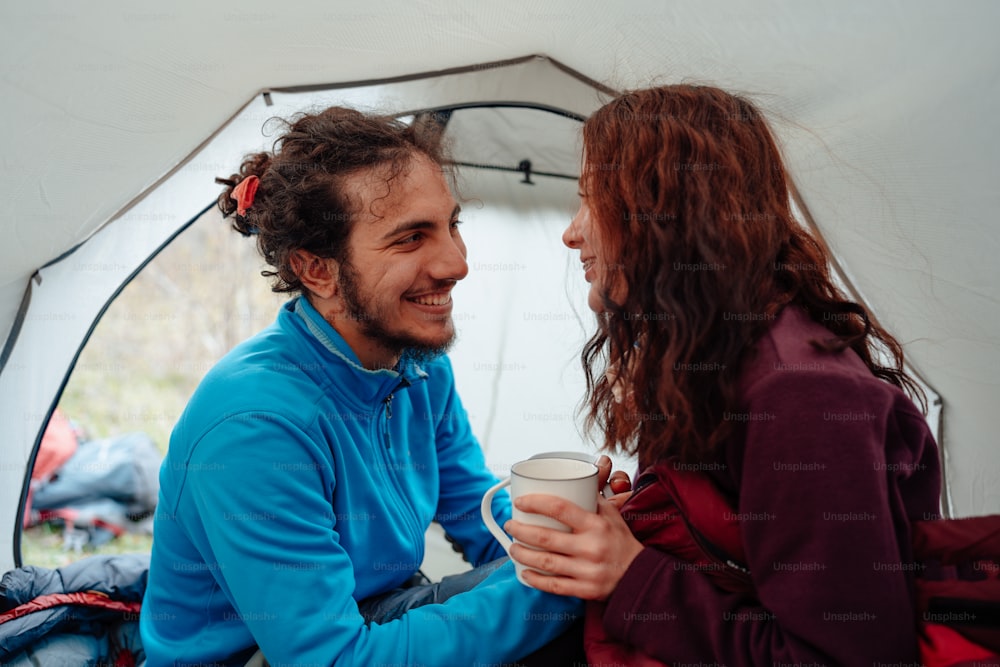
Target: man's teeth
{"points": [[587, 264], [433, 299]]}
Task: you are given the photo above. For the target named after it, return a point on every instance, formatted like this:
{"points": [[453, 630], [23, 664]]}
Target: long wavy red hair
{"points": [[690, 199]]}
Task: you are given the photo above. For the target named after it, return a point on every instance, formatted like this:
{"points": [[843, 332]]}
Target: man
{"points": [[307, 466]]}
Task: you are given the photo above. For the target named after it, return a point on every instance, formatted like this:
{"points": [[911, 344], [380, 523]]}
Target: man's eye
{"points": [[455, 224], [412, 238]]}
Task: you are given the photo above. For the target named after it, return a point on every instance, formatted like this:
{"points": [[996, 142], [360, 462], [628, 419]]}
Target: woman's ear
{"points": [[319, 275]]}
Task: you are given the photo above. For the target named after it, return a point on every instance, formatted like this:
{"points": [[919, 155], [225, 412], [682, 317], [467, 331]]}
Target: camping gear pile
{"points": [[95, 489]]}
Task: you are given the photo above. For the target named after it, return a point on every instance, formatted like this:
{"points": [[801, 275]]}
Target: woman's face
{"points": [[582, 234]]}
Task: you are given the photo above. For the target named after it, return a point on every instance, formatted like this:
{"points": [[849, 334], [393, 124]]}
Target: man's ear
{"points": [[319, 275]]}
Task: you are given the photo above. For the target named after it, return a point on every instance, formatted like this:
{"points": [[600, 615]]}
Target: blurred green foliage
{"points": [[190, 305]]}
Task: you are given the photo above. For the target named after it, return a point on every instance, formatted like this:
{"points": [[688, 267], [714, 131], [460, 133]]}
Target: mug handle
{"points": [[486, 509]]}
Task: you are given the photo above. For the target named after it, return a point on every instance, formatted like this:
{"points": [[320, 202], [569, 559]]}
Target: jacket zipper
{"points": [[388, 416], [392, 473]]}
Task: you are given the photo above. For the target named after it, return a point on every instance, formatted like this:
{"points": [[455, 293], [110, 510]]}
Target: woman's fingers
{"points": [[620, 482], [603, 468], [619, 499], [561, 585], [547, 561], [558, 574], [540, 537]]}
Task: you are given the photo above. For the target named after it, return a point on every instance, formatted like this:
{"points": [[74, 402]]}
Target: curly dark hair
{"points": [[300, 202], [690, 200]]}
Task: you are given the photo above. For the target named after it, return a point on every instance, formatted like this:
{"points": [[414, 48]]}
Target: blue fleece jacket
{"points": [[297, 483]]}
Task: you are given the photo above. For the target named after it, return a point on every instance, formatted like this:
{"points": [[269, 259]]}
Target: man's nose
{"points": [[451, 263]]}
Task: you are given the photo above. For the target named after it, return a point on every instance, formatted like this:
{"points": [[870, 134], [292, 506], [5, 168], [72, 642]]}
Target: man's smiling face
{"points": [[405, 254]]}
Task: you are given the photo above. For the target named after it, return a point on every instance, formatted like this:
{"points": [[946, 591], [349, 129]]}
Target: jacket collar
{"points": [[406, 371]]}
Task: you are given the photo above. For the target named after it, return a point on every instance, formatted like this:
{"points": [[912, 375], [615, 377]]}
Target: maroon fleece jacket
{"points": [[827, 466]]}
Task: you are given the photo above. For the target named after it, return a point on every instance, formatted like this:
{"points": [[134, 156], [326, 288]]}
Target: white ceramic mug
{"points": [[579, 456], [569, 478]]}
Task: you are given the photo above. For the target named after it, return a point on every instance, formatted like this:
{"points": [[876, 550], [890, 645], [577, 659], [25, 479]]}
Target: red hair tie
{"points": [[244, 194]]}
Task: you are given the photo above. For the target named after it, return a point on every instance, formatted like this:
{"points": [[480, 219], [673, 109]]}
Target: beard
{"points": [[375, 322]]}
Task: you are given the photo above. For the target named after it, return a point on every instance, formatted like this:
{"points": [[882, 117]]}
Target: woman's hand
{"points": [[618, 481], [587, 563]]}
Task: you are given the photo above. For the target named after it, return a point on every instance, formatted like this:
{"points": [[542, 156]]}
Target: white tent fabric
{"points": [[116, 118]]}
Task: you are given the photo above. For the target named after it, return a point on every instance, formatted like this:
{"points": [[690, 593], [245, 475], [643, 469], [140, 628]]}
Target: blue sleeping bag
{"points": [[85, 613]]}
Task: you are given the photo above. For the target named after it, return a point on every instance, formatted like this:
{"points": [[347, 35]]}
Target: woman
{"points": [[725, 348]]}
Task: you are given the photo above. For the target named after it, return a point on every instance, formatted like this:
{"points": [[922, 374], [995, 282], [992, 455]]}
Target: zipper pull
{"points": [[388, 416]]}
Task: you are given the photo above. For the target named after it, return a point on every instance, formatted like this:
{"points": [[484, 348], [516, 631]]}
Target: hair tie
{"points": [[244, 194]]}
